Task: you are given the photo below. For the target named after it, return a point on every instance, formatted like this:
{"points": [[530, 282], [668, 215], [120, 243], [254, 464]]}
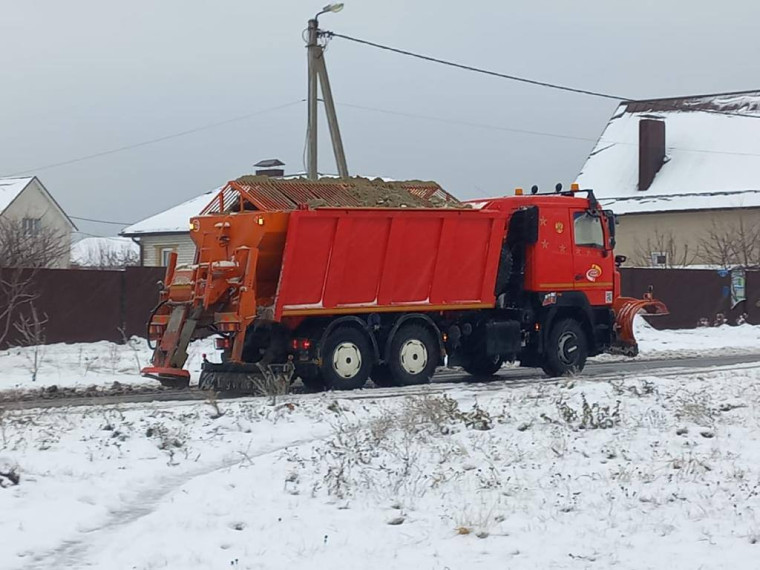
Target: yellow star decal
{"points": [[545, 244], [562, 248], [542, 221]]}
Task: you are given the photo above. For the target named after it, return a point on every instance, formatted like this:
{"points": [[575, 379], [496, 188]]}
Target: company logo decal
{"points": [[594, 273], [560, 227]]}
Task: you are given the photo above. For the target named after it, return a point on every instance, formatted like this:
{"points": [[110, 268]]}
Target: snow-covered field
{"points": [[101, 363], [642, 472]]}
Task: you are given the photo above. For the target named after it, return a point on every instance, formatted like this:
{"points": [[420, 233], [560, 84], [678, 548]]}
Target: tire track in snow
{"points": [[74, 553]]}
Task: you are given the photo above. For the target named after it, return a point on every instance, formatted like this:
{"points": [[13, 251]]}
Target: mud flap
{"points": [[625, 309]]}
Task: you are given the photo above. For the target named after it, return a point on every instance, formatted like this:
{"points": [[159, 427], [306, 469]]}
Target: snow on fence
{"points": [[80, 305]]}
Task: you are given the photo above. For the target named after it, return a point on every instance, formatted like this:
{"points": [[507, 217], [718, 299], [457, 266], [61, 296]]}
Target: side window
{"points": [[31, 226], [165, 252], [588, 230]]}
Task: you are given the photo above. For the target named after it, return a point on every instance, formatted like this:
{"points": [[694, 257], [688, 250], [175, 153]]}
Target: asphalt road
{"points": [[444, 380]]}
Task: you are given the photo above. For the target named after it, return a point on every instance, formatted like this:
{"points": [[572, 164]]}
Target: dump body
{"points": [[375, 260]]}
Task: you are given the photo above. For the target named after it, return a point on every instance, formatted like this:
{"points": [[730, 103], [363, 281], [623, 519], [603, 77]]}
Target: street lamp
{"points": [[318, 72], [336, 7]]}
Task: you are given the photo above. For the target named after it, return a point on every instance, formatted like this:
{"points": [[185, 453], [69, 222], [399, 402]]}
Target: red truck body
{"points": [[366, 260]]}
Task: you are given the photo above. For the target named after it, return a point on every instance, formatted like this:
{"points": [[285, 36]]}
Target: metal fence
{"points": [[86, 305], [694, 294], [90, 305]]}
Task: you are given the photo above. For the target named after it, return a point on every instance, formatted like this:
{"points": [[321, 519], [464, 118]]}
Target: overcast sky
{"points": [[82, 77]]}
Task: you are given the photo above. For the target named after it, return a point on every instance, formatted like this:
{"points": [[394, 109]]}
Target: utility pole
{"points": [[317, 71]]}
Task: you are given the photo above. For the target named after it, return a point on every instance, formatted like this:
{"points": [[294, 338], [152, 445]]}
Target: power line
{"points": [[101, 221], [476, 69], [156, 140], [664, 106], [527, 131], [467, 123]]}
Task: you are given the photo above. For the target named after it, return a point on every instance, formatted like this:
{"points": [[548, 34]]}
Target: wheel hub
{"points": [[568, 348], [414, 356], [347, 360]]}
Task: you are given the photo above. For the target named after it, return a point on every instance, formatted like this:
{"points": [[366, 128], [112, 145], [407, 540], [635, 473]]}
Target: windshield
{"points": [[588, 230]]}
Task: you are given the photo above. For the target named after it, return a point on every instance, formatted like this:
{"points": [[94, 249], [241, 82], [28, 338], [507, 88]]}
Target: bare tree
{"points": [[22, 247], [103, 255], [676, 253], [31, 329], [22, 252], [16, 294], [732, 245]]}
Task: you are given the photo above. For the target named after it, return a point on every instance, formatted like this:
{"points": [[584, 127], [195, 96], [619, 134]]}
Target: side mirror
{"points": [[611, 223], [620, 260]]}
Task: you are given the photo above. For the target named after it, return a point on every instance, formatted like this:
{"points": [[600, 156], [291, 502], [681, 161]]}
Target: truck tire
{"points": [[413, 356], [346, 359], [566, 349]]}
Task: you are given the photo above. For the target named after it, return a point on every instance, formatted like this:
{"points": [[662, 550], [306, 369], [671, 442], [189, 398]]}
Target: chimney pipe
{"points": [[651, 150], [272, 167]]}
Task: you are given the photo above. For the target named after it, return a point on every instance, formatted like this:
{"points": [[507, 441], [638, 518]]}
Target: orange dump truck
{"points": [[300, 278]]}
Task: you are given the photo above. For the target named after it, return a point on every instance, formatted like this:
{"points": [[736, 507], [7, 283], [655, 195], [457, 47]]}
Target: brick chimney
{"points": [[270, 167], [651, 150]]}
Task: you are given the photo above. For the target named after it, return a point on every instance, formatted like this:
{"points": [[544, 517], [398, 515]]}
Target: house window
{"points": [[164, 255], [588, 230], [31, 226], [659, 259]]}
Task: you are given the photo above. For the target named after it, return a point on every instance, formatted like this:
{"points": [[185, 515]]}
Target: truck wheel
{"points": [[413, 356], [346, 359], [566, 349]]}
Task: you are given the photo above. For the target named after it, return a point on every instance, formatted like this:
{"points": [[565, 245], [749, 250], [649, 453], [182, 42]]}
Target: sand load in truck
{"points": [[341, 280]]}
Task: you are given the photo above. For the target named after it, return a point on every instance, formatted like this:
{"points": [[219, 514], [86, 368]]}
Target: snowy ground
{"points": [[651, 472], [101, 363]]}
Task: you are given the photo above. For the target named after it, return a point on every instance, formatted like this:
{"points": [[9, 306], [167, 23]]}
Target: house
{"points": [[683, 174], [26, 205], [169, 231]]}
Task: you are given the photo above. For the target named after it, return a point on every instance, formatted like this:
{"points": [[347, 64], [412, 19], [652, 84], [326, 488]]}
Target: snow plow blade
{"points": [[170, 377], [246, 378], [625, 309]]}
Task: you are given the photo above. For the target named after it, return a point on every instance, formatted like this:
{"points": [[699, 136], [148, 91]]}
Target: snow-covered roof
{"points": [[10, 188], [173, 220], [99, 251], [712, 155]]}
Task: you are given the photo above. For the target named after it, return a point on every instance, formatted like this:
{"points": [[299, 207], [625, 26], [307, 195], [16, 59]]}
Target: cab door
{"points": [[593, 262], [550, 259]]}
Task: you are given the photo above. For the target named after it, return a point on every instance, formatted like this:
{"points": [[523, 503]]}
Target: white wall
{"points": [[637, 233], [33, 202], [151, 246]]}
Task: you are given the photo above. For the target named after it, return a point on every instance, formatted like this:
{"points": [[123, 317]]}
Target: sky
{"points": [[84, 77]]}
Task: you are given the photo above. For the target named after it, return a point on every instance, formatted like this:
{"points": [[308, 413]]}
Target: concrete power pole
{"points": [[317, 71]]}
